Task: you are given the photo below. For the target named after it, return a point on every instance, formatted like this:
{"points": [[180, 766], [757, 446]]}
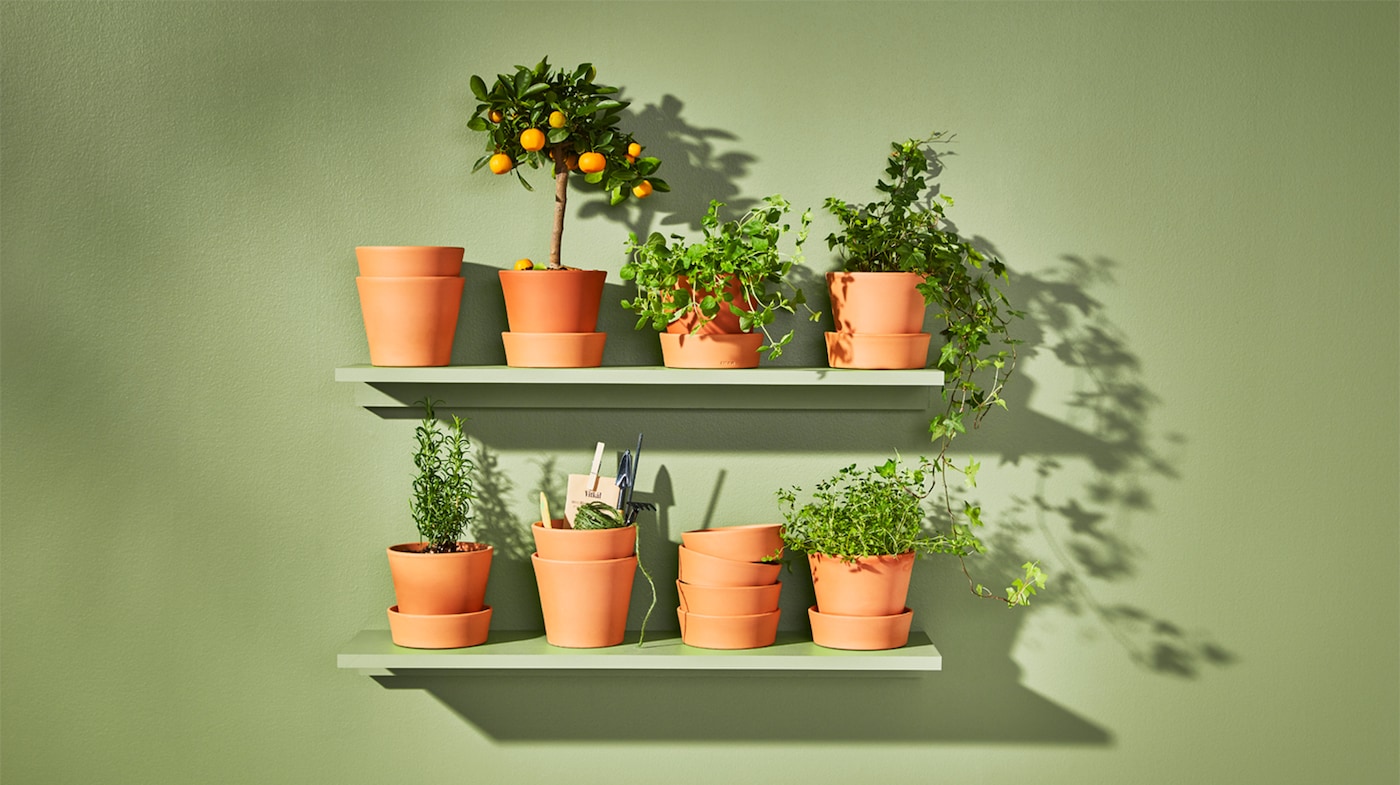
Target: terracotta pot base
{"points": [[554, 350], [710, 351], [874, 351], [860, 633], [704, 570], [729, 600], [439, 631], [737, 543], [728, 632]]}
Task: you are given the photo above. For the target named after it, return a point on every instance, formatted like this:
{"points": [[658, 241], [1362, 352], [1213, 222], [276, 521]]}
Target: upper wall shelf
{"points": [[374, 653], [627, 387]]}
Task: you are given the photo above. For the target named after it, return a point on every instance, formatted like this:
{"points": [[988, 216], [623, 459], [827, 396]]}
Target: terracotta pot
{"points": [[728, 632], [439, 630], [726, 322], [554, 350], [710, 351], [432, 583], [882, 303], [560, 543], [729, 600], [871, 586], [861, 633], [585, 602], [737, 543], [704, 570], [875, 351], [384, 261], [552, 301], [410, 321]]}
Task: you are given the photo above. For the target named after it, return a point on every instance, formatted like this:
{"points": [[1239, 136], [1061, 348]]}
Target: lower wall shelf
{"points": [[373, 653]]}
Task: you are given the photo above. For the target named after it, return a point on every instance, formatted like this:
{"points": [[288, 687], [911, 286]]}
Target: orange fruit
{"points": [[571, 161], [588, 163], [631, 159], [532, 139], [524, 264], [634, 149], [642, 190], [500, 163], [495, 116], [556, 119]]}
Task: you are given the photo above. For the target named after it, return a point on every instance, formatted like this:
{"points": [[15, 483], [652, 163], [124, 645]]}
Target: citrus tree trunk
{"points": [[561, 198]]}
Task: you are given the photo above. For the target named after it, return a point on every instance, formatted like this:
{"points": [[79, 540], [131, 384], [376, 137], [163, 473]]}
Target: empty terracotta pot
{"points": [[438, 583], [554, 350], [876, 351], [860, 633], [738, 543], [729, 600], [710, 351], [870, 586], [410, 321], [383, 261], [728, 632], [883, 303], [552, 301], [705, 570], [584, 602], [561, 543], [439, 631]]}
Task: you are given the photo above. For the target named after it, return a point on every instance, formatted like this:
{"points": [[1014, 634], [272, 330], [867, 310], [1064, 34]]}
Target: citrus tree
{"points": [[564, 120]]}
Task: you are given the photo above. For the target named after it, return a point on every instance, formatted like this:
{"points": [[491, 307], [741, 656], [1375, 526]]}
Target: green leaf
{"points": [[480, 162], [477, 124], [971, 472], [660, 185], [593, 178], [557, 135], [478, 87], [535, 89], [522, 81], [617, 197]]}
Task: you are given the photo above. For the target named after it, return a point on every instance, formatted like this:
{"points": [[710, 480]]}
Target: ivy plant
{"points": [[444, 490], [878, 511], [563, 120], [736, 262]]}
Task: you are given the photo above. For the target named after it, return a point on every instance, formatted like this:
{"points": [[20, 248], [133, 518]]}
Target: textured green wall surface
{"points": [[1198, 203]]}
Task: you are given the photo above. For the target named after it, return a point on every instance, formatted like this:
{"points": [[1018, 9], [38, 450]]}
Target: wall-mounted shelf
{"points": [[373, 653], [497, 386]]}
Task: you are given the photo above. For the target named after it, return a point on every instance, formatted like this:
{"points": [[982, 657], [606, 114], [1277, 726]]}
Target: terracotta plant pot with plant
{"points": [[440, 582], [706, 298], [561, 119], [585, 574], [410, 296], [898, 256], [861, 532]]}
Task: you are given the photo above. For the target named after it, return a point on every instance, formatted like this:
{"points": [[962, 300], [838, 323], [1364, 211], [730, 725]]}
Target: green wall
{"points": [[1199, 203]]}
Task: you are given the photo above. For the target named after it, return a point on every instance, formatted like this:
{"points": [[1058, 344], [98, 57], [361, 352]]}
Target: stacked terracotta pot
{"points": [[860, 603], [585, 582], [410, 296], [553, 318], [879, 321], [729, 594]]}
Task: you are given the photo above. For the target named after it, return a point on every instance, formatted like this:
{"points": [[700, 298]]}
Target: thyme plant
{"points": [[445, 489]]}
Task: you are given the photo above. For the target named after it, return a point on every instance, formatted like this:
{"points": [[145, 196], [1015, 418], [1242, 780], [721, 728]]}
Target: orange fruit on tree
{"points": [[588, 163], [571, 161], [524, 264], [631, 159], [495, 116], [532, 139], [500, 163], [642, 190], [634, 149], [556, 119]]}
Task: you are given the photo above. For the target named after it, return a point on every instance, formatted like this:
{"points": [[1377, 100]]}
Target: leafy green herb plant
{"points": [[736, 262], [601, 515], [879, 511], [444, 491], [561, 119]]}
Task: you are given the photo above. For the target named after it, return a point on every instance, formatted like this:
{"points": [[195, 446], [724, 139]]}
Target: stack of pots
{"points": [[729, 594], [879, 321], [440, 597], [410, 296], [860, 603], [585, 582], [553, 318]]}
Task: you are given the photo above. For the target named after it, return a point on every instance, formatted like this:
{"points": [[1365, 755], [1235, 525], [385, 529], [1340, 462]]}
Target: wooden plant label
{"points": [[585, 488]]}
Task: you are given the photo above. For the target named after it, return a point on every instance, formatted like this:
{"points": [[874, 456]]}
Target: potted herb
{"points": [[562, 120], [861, 532], [899, 256], [440, 581], [706, 297]]}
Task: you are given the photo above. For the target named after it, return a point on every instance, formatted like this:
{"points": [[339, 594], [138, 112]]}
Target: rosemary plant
{"points": [[445, 489]]}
